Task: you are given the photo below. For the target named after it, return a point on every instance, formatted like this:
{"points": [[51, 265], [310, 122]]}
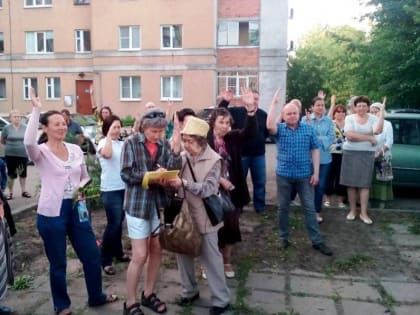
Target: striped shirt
{"points": [[294, 146], [135, 162]]}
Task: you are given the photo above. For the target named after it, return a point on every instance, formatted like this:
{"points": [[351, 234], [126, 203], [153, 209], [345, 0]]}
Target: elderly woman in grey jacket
{"points": [[206, 166]]}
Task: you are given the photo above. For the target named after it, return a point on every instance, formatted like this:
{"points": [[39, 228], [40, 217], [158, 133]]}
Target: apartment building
{"points": [[136, 51]]}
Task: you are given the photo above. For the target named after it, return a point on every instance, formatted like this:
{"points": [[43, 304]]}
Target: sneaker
{"points": [[187, 301], [327, 204], [229, 273], [323, 249], [341, 205], [284, 244], [216, 310]]}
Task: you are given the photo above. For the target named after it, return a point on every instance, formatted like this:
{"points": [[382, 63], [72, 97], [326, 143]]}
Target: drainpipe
{"points": [[11, 53]]}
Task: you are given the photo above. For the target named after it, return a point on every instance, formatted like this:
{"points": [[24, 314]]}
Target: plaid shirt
{"points": [[135, 162], [294, 146]]}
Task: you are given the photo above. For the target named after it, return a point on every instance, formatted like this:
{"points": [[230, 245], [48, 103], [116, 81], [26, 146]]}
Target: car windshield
{"points": [[83, 120], [406, 131]]}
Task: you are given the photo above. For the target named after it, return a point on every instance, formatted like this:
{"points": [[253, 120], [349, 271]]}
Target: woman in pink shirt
{"points": [[63, 171]]}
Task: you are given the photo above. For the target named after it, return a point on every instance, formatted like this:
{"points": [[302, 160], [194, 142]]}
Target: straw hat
{"points": [[195, 127]]}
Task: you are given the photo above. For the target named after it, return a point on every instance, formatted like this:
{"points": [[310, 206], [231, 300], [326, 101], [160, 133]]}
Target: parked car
{"points": [[3, 123], [406, 148]]}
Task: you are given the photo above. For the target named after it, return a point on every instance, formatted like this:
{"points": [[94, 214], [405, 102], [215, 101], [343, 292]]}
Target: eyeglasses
{"points": [[154, 114]]}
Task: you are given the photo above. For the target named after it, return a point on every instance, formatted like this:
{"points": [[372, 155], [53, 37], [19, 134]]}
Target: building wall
{"points": [[199, 61]]}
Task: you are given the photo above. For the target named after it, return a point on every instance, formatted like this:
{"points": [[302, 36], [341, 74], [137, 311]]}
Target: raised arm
{"points": [[378, 127], [29, 139], [332, 107], [271, 116]]}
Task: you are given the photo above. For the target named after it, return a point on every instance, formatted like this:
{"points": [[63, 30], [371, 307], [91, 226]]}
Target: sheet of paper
{"points": [[156, 175]]}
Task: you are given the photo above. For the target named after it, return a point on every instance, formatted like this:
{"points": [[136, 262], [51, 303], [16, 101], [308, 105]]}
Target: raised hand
{"points": [[91, 89], [333, 100], [383, 103], [322, 94], [36, 102], [227, 95], [176, 136], [276, 98], [112, 127], [248, 99]]}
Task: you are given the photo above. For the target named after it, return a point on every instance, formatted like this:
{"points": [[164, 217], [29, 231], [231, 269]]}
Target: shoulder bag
{"points": [[212, 204], [179, 235]]}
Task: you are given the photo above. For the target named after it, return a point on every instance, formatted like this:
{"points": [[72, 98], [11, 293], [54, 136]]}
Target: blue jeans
{"points": [[258, 175], [3, 174], [306, 195], [53, 231], [111, 240], [324, 173]]}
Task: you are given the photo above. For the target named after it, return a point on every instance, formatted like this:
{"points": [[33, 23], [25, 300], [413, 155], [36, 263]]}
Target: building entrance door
{"points": [[83, 102]]}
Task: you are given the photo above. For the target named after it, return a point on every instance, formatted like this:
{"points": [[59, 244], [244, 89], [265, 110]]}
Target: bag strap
{"points": [[191, 170]]}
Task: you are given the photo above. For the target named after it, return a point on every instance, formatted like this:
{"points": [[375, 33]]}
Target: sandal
{"points": [[25, 194], [133, 309], [109, 270], [9, 196], [154, 303]]}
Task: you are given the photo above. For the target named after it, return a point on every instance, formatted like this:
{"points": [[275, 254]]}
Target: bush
{"points": [[128, 121]]}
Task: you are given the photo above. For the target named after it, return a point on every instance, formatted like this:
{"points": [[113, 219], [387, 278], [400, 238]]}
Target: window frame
{"points": [[233, 29], [5, 90], [171, 36], [171, 89], [35, 41], [50, 83], [130, 37], [237, 76], [35, 5], [26, 86], [131, 97], [82, 41]]}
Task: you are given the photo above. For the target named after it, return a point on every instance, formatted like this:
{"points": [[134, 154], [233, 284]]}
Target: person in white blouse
{"points": [[382, 190]]}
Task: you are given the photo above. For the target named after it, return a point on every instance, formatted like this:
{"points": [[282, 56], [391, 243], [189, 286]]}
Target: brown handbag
{"points": [[182, 235]]}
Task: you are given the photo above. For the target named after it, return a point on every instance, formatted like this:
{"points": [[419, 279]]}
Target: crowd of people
{"points": [[320, 155]]}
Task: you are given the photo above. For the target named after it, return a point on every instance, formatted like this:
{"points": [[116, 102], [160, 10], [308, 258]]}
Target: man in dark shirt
{"points": [[74, 131], [253, 154]]}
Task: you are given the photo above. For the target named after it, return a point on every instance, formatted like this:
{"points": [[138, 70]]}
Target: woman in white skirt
{"points": [[359, 155]]}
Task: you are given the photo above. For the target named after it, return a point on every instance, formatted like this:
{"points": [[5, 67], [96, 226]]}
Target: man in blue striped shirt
{"points": [[298, 168]]}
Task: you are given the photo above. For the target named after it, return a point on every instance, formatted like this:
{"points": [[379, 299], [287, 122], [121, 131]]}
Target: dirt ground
{"points": [[358, 249]]}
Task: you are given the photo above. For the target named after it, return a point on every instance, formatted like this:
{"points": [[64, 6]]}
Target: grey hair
{"points": [[159, 121]]}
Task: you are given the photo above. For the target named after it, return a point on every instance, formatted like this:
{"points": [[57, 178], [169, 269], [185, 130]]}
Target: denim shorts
{"points": [[140, 228]]}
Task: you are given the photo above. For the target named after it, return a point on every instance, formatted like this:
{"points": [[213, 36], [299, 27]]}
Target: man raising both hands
{"points": [[298, 168]]}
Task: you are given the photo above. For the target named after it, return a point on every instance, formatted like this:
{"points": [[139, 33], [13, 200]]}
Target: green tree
{"points": [[390, 61], [327, 59]]}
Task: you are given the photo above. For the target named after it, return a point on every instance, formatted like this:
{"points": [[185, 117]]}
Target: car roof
{"points": [[402, 115]]}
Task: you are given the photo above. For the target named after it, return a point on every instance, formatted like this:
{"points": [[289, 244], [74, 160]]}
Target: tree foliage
{"points": [[391, 60], [346, 61], [328, 60]]}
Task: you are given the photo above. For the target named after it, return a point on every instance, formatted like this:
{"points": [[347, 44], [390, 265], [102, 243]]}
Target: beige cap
{"points": [[195, 127], [376, 105]]}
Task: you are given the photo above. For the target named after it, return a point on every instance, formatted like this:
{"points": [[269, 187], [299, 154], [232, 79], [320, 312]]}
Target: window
{"points": [[53, 88], [234, 33], [1, 43], [2, 88], [82, 40], [129, 37], [1, 4], [234, 81], [39, 42], [171, 87], [79, 2], [27, 84], [171, 36], [406, 131], [130, 88], [38, 3]]}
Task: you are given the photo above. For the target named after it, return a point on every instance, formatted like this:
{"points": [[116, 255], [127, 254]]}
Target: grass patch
{"points": [[23, 282], [187, 310], [414, 226], [71, 253], [352, 263], [386, 300], [291, 312]]}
